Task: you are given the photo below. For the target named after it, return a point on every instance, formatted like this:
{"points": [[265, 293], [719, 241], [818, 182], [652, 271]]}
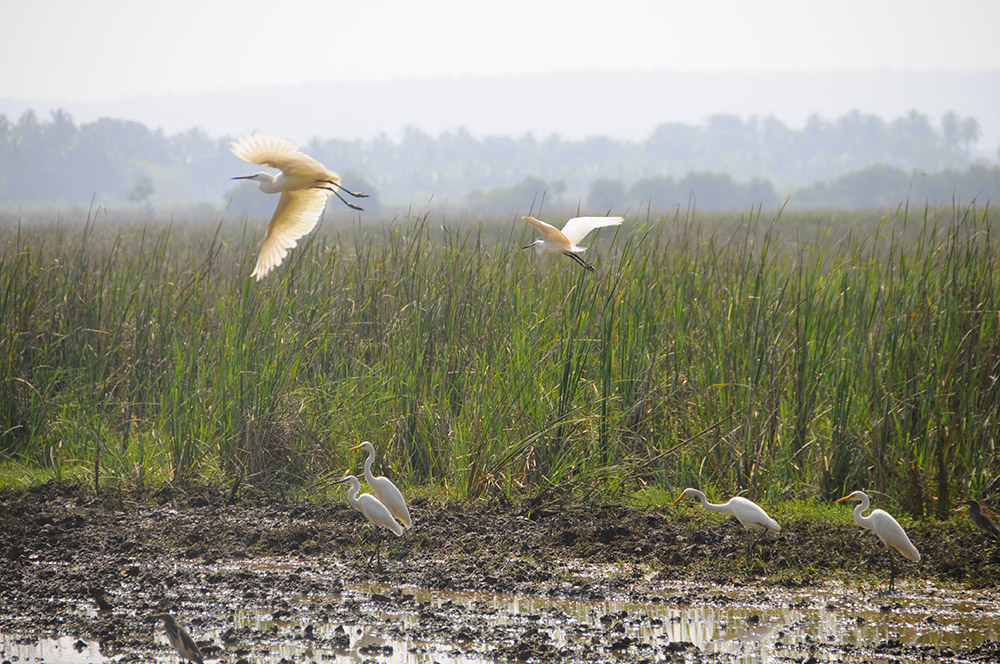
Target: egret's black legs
{"points": [[335, 193], [356, 194], [375, 553], [582, 263], [892, 572]]}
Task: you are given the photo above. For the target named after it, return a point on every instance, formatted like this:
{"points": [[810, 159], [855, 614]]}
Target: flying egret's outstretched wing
{"points": [[275, 152], [296, 214], [577, 228], [549, 232]]}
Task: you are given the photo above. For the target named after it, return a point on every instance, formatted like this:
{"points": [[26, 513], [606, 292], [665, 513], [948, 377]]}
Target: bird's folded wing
{"points": [[549, 232], [577, 228], [296, 214], [276, 152]]}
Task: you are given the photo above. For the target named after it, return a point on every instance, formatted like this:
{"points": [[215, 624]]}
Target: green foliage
{"points": [[794, 357]]}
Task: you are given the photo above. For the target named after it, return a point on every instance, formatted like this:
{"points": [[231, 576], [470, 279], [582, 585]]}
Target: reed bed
{"points": [[782, 356]]}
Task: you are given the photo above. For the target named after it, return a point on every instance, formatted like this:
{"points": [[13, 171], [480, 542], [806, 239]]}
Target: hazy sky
{"points": [[82, 51]]}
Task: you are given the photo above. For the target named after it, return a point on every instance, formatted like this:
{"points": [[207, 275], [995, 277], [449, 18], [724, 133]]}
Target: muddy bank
{"points": [[66, 553]]}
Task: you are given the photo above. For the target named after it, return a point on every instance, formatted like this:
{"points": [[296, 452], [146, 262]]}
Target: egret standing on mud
{"points": [[304, 184], [377, 513], [750, 514], [887, 529], [179, 638], [384, 489], [555, 241]]}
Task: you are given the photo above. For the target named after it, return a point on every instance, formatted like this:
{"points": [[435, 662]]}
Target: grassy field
{"points": [[785, 356]]}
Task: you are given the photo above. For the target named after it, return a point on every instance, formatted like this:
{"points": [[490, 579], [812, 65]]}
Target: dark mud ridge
{"points": [[95, 567]]}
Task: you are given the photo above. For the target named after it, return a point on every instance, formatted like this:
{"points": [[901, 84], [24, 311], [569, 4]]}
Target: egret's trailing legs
{"points": [[582, 263], [356, 194]]}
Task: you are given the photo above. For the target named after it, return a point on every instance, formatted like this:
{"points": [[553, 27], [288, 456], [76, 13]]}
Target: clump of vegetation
{"points": [[785, 357]]}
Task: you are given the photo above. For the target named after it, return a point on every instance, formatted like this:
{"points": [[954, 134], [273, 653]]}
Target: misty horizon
{"points": [[573, 106]]}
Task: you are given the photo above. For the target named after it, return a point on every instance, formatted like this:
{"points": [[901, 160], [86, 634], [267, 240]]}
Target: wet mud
{"points": [[266, 578]]}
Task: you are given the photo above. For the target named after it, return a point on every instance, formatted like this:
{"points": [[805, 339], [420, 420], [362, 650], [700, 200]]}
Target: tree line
{"points": [[856, 160]]}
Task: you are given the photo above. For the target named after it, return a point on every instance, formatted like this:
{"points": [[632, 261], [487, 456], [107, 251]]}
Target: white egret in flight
{"points": [[555, 241], [383, 487], [750, 514], [179, 638], [887, 529], [304, 184], [377, 513]]}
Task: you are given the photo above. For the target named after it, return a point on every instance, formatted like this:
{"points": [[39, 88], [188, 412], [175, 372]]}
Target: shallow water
{"points": [[724, 624]]}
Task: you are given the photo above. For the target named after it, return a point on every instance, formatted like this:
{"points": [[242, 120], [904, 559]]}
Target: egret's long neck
{"points": [[712, 506], [352, 493], [368, 466], [861, 507]]}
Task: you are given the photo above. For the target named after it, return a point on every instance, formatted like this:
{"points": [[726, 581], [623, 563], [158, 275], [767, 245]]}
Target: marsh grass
{"points": [[781, 355]]}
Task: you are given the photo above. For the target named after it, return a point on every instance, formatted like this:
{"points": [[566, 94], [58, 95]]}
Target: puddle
{"points": [[15, 648], [376, 623]]}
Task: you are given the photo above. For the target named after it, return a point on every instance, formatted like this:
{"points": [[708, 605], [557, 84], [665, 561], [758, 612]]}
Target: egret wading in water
{"points": [[304, 185], [887, 529], [982, 522], [179, 638], [377, 513], [384, 489], [750, 514], [555, 241]]}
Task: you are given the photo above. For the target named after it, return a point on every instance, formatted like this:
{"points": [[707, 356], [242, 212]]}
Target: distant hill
{"points": [[625, 105]]}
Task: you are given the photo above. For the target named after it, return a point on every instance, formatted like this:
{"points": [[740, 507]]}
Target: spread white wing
{"points": [[577, 228], [275, 152], [549, 232], [296, 214]]}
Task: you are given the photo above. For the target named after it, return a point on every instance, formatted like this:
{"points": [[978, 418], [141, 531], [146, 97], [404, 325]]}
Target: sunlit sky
{"points": [[81, 51]]}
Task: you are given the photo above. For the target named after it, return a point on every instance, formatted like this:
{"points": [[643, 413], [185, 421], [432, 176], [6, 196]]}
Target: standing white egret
{"points": [[750, 514], [303, 186], [377, 513], [383, 487], [887, 529], [555, 241], [179, 638]]}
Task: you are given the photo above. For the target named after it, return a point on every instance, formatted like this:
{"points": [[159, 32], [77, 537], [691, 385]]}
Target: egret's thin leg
{"points": [[378, 541], [892, 572], [356, 194], [760, 538], [350, 205]]}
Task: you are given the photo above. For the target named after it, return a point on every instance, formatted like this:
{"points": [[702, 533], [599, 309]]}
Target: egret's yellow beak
{"points": [[840, 500], [678, 499]]}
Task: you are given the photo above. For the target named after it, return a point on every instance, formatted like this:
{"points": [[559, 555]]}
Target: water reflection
{"points": [[417, 627]]}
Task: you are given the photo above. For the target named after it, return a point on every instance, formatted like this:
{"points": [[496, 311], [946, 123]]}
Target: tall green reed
{"points": [[731, 352]]}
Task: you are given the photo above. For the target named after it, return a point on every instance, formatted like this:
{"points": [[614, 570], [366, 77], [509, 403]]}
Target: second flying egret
{"points": [[383, 487], [565, 241], [304, 185], [887, 528], [750, 514], [375, 511]]}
